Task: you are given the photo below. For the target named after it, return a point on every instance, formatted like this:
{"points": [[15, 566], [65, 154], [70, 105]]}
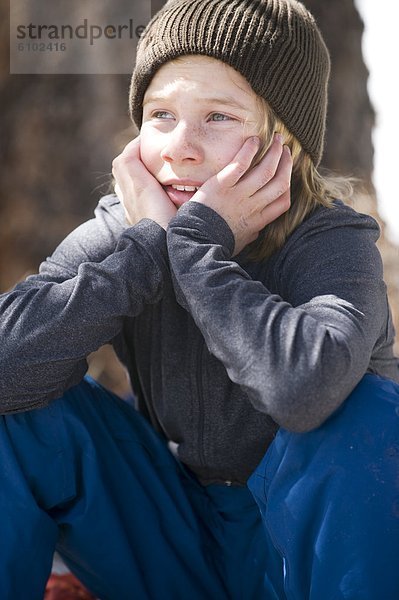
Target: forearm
{"points": [[296, 363], [48, 328]]}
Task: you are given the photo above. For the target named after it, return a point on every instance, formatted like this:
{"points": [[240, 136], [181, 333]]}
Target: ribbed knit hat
{"points": [[274, 44]]}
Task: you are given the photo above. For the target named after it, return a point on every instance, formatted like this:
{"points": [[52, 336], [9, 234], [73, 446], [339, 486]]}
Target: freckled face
{"points": [[197, 112]]}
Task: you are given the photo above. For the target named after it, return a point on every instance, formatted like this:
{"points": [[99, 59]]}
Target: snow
{"points": [[380, 49]]}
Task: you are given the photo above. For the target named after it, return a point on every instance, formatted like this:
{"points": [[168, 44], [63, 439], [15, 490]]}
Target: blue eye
{"points": [[220, 117], [158, 114]]}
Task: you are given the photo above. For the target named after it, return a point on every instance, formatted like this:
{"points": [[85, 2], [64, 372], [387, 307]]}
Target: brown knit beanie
{"points": [[274, 44]]}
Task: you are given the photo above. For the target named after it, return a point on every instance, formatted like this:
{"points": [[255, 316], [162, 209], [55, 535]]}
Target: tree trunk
{"points": [[351, 118]]}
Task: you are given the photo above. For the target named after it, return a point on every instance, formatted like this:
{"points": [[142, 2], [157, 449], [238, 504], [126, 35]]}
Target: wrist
{"points": [[204, 225]]}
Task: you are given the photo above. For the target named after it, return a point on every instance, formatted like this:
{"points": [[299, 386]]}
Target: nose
{"points": [[183, 145]]}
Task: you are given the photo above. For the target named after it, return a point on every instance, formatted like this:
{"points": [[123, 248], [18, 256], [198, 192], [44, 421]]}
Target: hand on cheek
{"points": [[141, 195], [248, 201]]}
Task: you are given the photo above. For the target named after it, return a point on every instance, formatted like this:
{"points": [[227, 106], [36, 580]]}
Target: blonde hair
{"points": [[309, 188]]}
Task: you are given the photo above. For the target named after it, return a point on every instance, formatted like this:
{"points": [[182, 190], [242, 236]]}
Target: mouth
{"points": [[185, 188], [180, 194]]}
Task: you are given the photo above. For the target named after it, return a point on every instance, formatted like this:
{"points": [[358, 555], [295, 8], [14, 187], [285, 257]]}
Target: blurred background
{"points": [[380, 49], [59, 134]]}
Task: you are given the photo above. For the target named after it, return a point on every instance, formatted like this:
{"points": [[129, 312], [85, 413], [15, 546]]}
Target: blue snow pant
{"points": [[88, 476], [330, 501]]}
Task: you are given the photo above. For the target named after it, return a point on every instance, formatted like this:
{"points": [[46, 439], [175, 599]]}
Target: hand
{"points": [[141, 195], [248, 201]]}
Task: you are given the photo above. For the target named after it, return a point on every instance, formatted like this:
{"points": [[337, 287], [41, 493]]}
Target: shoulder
{"points": [[108, 223], [332, 249], [110, 209], [339, 229], [93, 240], [338, 220]]}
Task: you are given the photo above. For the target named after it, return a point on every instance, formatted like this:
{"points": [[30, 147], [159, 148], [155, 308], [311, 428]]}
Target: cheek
{"points": [[225, 149], [149, 149]]}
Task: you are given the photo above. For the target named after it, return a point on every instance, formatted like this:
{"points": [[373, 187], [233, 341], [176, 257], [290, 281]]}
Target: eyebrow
{"points": [[226, 100]]}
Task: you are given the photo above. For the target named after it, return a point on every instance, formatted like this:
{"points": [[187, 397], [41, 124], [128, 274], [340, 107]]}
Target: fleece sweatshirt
{"points": [[222, 351]]}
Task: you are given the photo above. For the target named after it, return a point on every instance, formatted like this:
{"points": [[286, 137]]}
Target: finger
{"points": [[239, 165], [264, 172], [130, 151], [128, 165], [132, 145], [118, 192], [275, 209], [278, 185]]}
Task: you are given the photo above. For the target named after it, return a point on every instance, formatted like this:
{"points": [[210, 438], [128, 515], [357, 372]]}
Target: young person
{"points": [[247, 302]]}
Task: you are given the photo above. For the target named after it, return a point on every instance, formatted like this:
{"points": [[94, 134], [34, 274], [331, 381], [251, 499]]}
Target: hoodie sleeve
{"points": [[101, 273], [300, 353]]}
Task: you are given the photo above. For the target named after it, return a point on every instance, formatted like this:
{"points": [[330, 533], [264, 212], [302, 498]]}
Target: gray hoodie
{"points": [[221, 351]]}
